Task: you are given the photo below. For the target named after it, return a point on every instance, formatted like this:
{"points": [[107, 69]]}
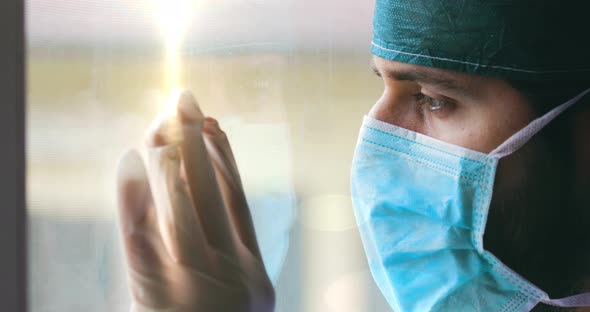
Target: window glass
{"points": [[289, 82]]}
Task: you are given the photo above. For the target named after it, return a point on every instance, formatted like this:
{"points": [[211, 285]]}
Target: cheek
{"points": [[485, 125], [467, 128], [480, 126]]}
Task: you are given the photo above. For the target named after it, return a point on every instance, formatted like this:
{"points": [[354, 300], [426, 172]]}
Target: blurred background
{"points": [[288, 80]]}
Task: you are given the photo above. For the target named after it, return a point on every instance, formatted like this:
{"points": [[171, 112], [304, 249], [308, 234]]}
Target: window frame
{"points": [[13, 242]]}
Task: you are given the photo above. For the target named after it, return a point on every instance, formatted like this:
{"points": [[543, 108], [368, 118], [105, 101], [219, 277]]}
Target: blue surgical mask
{"points": [[421, 207]]}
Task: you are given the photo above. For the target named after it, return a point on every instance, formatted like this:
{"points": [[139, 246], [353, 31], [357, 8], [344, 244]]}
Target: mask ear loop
{"points": [[520, 138], [514, 143]]}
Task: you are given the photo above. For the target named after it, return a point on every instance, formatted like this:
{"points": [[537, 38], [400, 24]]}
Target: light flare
{"points": [[174, 17]]}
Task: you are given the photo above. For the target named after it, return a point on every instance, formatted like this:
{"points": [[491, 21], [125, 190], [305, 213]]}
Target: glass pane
{"points": [[289, 82]]}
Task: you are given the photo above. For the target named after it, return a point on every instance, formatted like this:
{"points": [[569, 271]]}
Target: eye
{"points": [[432, 104]]}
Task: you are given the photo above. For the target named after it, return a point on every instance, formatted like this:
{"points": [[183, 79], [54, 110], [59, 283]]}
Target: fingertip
{"points": [[211, 120], [211, 126], [155, 138], [130, 167], [133, 189], [164, 131], [188, 109]]}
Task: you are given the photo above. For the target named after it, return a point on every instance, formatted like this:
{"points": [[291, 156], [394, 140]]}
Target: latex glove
{"points": [[186, 226]]}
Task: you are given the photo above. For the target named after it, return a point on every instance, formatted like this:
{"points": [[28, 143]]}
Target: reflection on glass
{"points": [[289, 82]]}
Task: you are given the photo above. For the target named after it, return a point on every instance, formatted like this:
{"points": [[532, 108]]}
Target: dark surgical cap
{"points": [[527, 40]]}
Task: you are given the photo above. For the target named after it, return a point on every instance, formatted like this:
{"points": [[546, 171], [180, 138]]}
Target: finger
{"points": [[201, 178], [179, 222], [230, 184], [164, 131], [137, 221], [214, 134]]}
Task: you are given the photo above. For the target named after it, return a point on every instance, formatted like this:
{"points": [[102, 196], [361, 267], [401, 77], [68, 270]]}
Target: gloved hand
{"points": [[186, 226]]}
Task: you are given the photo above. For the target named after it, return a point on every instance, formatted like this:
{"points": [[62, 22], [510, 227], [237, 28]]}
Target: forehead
{"points": [[385, 66], [460, 83]]}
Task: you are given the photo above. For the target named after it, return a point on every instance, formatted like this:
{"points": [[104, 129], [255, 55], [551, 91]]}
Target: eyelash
{"points": [[434, 104]]}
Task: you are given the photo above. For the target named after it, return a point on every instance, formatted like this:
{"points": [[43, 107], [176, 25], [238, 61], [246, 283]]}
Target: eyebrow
{"points": [[425, 77]]}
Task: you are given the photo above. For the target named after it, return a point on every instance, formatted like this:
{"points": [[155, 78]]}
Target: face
{"points": [[530, 191], [474, 112]]}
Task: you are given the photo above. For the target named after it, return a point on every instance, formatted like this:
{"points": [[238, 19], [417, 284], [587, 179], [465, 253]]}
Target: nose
{"points": [[397, 107]]}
